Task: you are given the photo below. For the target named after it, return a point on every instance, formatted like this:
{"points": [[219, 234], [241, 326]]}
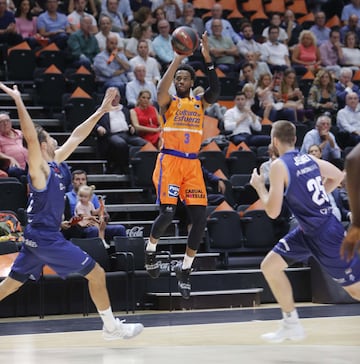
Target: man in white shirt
{"points": [[348, 120], [79, 12], [241, 121], [115, 135], [276, 53], [138, 84], [152, 66]]}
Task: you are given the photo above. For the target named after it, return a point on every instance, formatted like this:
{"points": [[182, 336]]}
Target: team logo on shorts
{"points": [[173, 191]]}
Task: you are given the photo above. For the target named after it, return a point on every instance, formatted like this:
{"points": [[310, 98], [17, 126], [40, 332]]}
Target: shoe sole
{"points": [[278, 341]]}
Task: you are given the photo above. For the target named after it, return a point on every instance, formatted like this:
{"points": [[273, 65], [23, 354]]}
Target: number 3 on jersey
{"points": [[186, 138], [315, 186]]}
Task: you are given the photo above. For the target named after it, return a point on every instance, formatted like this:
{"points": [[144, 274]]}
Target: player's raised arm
{"points": [[81, 132], [163, 96], [212, 93], [35, 159]]}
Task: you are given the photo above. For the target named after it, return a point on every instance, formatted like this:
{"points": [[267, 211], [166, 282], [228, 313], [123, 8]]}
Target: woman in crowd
{"points": [[26, 23], [141, 32], [322, 94], [146, 119], [306, 54], [291, 95], [351, 51]]}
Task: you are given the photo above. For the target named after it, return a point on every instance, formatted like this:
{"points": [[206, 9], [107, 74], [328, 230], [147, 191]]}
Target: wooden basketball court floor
{"points": [[186, 337]]}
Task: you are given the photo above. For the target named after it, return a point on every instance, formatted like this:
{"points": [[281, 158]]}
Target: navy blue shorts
{"points": [[325, 247], [51, 248]]}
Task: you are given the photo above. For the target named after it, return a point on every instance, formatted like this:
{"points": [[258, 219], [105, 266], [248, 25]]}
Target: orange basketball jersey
{"points": [[183, 125]]}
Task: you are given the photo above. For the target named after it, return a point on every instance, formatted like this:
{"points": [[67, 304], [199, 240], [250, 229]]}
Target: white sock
{"points": [[150, 247], [187, 262], [291, 317], [108, 319]]}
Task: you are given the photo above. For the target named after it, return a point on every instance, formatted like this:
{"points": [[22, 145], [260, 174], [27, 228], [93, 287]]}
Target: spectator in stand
{"points": [[247, 44], [352, 26], [75, 16], [241, 121], [265, 167], [306, 55], [222, 49], [111, 66], [123, 8], [54, 25], [249, 91], [345, 85], [322, 94], [26, 23], [146, 119], [142, 17], [270, 105], [189, 19], [351, 9], [331, 53], [8, 34], [91, 7], [83, 44], [319, 29], [291, 95], [158, 14], [275, 20], [115, 135], [291, 27], [247, 75], [227, 29], [78, 179], [119, 24], [324, 138], [141, 32], [172, 8], [105, 25], [351, 51], [276, 54], [152, 66], [12, 151], [140, 83], [162, 44], [348, 120], [259, 67]]}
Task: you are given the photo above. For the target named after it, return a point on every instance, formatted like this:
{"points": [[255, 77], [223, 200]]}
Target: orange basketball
{"points": [[184, 40]]}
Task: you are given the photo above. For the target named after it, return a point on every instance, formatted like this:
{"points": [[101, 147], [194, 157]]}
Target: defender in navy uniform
{"points": [[44, 243], [302, 182]]}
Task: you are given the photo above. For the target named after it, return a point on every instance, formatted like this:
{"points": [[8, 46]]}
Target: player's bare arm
{"points": [[272, 199], [83, 130], [38, 167], [332, 175], [163, 96]]}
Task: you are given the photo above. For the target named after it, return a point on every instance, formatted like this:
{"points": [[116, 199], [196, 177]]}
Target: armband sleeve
{"points": [[212, 93]]}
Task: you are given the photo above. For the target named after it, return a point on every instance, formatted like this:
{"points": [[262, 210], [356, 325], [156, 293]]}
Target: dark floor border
{"points": [[174, 319]]}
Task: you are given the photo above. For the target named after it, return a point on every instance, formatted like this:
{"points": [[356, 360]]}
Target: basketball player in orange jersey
{"points": [[178, 171], [351, 242]]}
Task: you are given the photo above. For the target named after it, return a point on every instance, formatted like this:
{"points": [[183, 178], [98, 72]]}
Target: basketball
{"points": [[184, 40]]}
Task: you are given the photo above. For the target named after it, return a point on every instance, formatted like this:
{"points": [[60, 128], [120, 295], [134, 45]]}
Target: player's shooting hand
{"points": [[205, 51], [351, 243], [109, 97], [13, 92], [256, 180]]}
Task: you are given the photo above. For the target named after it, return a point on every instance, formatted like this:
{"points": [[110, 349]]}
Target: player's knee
{"points": [[97, 275], [164, 219]]}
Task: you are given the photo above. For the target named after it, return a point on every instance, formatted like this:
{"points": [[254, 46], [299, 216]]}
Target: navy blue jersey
{"points": [[305, 194], [46, 207]]}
